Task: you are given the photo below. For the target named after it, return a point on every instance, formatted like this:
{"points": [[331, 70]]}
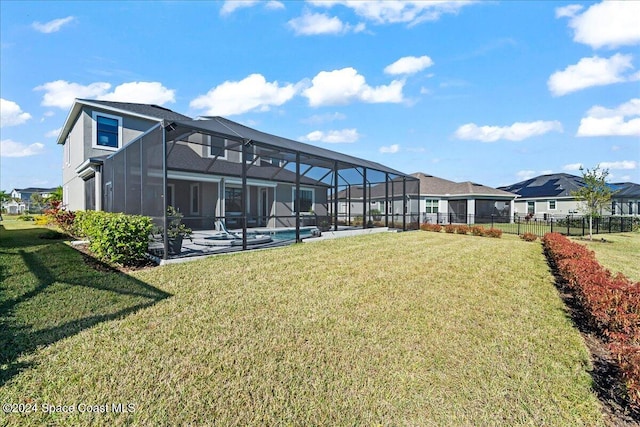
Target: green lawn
{"points": [[411, 328], [620, 252]]}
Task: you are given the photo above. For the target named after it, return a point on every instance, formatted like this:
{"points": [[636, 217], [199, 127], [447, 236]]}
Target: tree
{"points": [[56, 195], [595, 195]]}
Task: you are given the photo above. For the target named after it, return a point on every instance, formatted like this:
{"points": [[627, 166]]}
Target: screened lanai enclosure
{"points": [[238, 188]]}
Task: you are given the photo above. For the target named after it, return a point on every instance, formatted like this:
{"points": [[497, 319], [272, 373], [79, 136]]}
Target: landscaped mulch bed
{"points": [[607, 380]]}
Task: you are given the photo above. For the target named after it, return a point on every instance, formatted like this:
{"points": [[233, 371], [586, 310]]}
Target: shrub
{"points": [[477, 230], [431, 227], [612, 303], [529, 237], [493, 232], [26, 217], [61, 217], [115, 237], [462, 229], [449, 228]]}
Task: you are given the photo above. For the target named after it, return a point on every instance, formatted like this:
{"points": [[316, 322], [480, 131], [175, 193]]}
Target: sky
{"points": [[493, 92]]}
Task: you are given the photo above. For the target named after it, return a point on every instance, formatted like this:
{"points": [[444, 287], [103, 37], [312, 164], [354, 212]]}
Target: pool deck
{"points": [[197, 248]]}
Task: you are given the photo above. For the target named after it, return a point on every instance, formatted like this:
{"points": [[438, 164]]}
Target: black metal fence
{"points": [[570, 225]]}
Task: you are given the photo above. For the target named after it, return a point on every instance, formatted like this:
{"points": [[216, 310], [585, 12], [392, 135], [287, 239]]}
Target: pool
{"points": [[290, 234]]}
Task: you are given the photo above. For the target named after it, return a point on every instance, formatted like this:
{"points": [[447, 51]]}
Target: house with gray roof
{"points": [[140, 159], [437, 200], [549, 196]]}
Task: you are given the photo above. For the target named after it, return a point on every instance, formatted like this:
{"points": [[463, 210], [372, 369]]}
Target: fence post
{"points": [[568, 224], [609, 225], [551, 224], [491, 220], [518, 222], [583, 226]]}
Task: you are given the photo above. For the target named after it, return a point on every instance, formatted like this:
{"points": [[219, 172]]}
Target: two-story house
{"points": [[139, 159]]}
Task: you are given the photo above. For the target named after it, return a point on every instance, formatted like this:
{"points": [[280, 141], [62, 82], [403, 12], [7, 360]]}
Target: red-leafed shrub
{"points": [[529, 237], [478, 230], [493, 232], [462, 229], [449, 228], [612, 303], [61, 217], [430, 227]]}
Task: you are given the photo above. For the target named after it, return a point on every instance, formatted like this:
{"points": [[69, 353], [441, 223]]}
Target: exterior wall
{"points": [[73, 156], [564, 207]]}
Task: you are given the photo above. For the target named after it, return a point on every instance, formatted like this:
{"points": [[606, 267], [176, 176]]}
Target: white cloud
{"points": [[53, 133], [52, 26], [333, 136], [391, 149], [607, 24], [346, 85], [317, 119], [274, 5], [572, 167], [409, 65], [141, 92], [11, 114], [253, 93], [621, 165], [568, 11], [231, 6], [392, 12], [61, 93], [9, 148], [516, 132], [525, 174], [311, 24], [601, 121], [594, 71]]}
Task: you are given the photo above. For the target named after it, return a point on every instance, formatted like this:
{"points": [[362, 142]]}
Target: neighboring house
{"points": [[139, 159], [550, 195], [436, 199], [22, 202]]}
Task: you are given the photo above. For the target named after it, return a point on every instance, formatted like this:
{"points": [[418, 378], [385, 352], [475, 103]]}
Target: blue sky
{"points": [[491, 92]]}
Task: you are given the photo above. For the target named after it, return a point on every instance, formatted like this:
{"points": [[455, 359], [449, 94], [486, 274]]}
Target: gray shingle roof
{"points": [[151, 110], [552, 185]]}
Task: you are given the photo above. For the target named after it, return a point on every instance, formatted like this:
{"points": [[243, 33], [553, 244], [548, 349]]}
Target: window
{"points": [[67, 152], [233, 199], [218, 147], [171, 190], [614, 205], [531, 208], [552, 205], [108, 131], [630, 208], [431, 206], [195, 199], [306, 200]]}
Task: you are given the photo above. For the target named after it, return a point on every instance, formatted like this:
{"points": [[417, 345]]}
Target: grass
{"points": [[396, 329], [620, 253]]}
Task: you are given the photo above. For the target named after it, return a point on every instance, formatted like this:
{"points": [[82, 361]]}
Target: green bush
{"points": [[115, 237], [26, 217]]}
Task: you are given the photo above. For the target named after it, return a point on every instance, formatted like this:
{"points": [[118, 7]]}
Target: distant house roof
{"points": [[433, 186], [552, 185], [563, 185], [34, 190], [625, 190], [145, 111]]}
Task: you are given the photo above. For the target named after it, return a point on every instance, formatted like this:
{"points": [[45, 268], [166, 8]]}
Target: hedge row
{"points": [[612, 303], [115, 237], [476, 230]]}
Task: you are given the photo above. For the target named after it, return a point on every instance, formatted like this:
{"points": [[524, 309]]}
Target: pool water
{"points": [[290, 234]]}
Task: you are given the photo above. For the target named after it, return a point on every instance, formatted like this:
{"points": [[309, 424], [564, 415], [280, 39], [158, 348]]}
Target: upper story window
{"points": [[108, 131], [218, 147]]}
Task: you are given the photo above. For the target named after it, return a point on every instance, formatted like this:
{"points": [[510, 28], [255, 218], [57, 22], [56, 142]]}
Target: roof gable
{"points": [[145, 111]]}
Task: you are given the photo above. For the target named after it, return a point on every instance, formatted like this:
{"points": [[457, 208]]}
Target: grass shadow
{"points": [[49, 293]]}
